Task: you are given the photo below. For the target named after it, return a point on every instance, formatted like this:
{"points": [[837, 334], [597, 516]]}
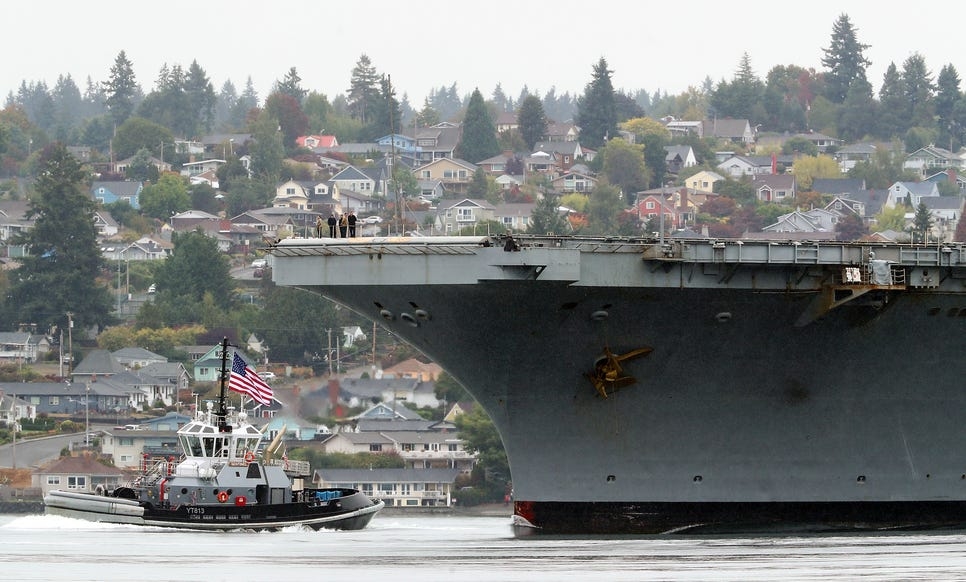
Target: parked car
{"points": [[259, 263], [268, 376], [152, 288], [372, 219]]}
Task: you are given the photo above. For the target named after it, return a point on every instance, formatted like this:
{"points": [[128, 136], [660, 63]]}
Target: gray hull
{"points": [[773, 393]]}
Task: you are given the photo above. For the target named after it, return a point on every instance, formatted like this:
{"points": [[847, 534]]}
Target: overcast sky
{"points": [[424, 45]]}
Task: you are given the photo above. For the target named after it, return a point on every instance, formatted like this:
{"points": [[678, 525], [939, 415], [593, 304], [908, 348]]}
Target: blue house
{"points": [[108, 192]]}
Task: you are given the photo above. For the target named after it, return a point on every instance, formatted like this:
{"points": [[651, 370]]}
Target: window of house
{"points": [[290, 191], [53, 479], [649, 205], [386, 487], [54, 400], [375, 447], [464, 214], [435, 446], [408, 447], [426, 174], [77, 482], [453, 448]]}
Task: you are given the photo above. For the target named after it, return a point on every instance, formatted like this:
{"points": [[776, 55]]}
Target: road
{"points": [[36, 452]]}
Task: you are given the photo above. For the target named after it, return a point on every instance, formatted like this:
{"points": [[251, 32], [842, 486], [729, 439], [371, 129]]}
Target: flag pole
{"points": [[221, 412]]}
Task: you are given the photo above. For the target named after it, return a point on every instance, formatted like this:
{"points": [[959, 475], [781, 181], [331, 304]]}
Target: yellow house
{"points": [[703, 181]]}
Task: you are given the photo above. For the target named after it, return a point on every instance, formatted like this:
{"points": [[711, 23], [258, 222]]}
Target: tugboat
{"points": [[222, 482]]}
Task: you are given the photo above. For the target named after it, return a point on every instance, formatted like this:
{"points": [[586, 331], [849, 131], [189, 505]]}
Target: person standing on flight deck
{"points": [[331, 225], [352, 223], [343, 225]]}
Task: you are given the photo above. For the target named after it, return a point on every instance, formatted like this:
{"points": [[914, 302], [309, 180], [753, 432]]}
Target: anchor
{"points": [[608, 375]]}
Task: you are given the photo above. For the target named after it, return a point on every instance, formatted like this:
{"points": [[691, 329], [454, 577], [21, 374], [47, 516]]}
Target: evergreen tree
{"points": [[59, 273], [917, 88], [291, 85], [921, 224], [532, 121], [479, 132], [597, 109], [363, 90], [201, 100], [122, 89], [386, 116], [947, 95], [844, 60], [196, 268], [857, 115], [891, 118], [546, 217], [226, 101], [739, 98]]}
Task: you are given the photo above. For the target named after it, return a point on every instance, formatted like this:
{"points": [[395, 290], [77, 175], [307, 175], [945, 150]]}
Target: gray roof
{"points": [[99, 362]]}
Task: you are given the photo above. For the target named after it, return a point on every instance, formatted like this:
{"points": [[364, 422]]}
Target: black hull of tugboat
{"points": [[350, 512], [563, 518]]}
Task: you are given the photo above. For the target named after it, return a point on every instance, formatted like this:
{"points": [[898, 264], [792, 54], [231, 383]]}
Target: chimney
{"points": [[774, 163], [334, 392]]}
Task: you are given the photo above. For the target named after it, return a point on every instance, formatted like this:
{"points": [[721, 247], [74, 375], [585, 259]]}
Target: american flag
{"points": [[244, 379]]}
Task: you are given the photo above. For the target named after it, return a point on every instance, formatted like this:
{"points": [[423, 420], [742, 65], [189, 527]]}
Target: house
{"points": [[821, 141], [864, 204], [778, 188], [14, 409], [735, 130], [565, 153], [436, 142], [114, 191], [19, 346], [557, 131], [930, 159], [951, 176], [515, 216], [13, 218], [172, 373], [649, 206], [455, 215], [156, 440], [396, 487], [352, 334], [838, 186], [162, 166], [679, 157], [737, 166], [314, 142], [82, 473], [146, 249], [910, 193], [105, 224], [703, 181], [506, 121], [390, 392], [210, 178], [945, 211], [817, 220], [571, 181], [351, 178], [455, 174], [851, 154], [414, 369], [135, 358]]}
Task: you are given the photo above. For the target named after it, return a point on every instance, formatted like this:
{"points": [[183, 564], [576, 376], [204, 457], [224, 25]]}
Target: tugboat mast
{"points": [[221, 412]]}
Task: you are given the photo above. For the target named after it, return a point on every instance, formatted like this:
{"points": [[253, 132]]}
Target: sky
{"points": [[426, 45]]}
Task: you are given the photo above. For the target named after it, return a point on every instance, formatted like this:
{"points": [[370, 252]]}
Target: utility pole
{"points": [[328, 353]]}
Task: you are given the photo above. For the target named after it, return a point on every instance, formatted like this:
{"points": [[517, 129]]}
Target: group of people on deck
{"points": [[346, 224]]}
